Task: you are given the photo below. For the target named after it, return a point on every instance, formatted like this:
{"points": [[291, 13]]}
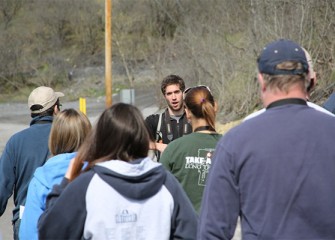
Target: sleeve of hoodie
{"points": [[65, 214], [7, 176], [184, 219], [34, 207]]}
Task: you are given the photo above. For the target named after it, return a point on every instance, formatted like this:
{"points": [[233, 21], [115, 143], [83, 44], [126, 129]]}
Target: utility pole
{"points": [[108, 52]]}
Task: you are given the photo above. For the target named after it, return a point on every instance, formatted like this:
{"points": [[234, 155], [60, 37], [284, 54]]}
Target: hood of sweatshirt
{"points": [[139, 179], [54, 169]]}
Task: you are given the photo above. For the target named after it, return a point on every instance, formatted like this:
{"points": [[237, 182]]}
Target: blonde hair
{"points": [[68, 131]]}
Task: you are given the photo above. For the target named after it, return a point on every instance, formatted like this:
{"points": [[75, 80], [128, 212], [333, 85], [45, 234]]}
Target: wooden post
{"points": [[108, 52]]}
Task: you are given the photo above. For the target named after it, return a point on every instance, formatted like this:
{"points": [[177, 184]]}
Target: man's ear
{"points": [[56, 109], [261, 81], [312, 83]]}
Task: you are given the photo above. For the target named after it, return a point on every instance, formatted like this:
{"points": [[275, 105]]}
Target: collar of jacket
{"points": [[41, 120], [281, 102]]}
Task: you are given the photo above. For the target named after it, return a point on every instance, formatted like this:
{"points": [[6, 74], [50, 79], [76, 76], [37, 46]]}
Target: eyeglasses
{"points": [[199, 86]]}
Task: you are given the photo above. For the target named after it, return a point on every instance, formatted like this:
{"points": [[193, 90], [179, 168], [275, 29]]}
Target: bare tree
{"points": [[9, 9], [212, 42]]}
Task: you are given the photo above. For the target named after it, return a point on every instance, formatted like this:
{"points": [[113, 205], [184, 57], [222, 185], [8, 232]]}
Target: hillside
{"points": [[60, 43]]}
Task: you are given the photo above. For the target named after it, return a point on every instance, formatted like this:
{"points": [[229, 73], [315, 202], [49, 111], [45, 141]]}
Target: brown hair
{"points": [[200, 101], [284, 82], [171, 80], [120, 133], [68, 131]]}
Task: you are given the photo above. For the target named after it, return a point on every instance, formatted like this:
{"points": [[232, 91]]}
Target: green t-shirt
{"points": [[189, 158]]}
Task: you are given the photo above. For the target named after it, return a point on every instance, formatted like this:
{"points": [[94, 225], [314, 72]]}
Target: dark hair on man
{"points": [[49, 112], [120, 133], [170, 80], [200, 101]]}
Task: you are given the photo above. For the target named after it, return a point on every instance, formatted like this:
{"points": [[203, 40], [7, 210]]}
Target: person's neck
{"points": [[199, 122], [273, 96], [176, 113]]}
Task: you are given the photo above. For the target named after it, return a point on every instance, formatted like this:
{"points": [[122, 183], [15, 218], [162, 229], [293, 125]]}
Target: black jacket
{"points": [[177, 129]]}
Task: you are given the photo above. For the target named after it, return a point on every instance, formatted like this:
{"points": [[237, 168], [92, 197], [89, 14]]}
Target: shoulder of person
{"points": [[155, 117]]}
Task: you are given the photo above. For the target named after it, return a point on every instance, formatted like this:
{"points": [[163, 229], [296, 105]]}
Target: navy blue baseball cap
{"points": [[281, 51]]}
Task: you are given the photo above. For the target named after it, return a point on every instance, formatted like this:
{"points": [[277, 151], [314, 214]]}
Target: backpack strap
{"points": [[158, 129], [186, 125], [169, 134], [159, 135]]}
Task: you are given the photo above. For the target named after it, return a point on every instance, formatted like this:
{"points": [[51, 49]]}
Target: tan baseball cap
{"points": [[44, 96]]}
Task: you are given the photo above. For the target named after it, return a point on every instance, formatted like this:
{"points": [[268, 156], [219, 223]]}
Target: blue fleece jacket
{"points": [[51, 173], [24, 152]]}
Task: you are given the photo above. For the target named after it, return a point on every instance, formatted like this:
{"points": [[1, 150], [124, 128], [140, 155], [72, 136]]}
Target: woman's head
{"points": [[200, 102], [68, 131], [120, 133]]}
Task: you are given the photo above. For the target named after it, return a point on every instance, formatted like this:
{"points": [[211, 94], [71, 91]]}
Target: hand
{"points": [[161, 147], [152, 145]]}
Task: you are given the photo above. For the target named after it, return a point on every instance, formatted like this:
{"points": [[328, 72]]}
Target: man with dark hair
{"points": [[172, 123], [276, 171], [27, 150]]}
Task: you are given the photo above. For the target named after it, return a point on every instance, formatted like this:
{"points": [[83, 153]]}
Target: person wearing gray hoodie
{"points": [[122, 193]]}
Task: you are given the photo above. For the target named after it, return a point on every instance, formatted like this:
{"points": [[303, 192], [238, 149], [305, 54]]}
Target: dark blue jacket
{"points": [[329, 104], [24, 152], [277, 172]]}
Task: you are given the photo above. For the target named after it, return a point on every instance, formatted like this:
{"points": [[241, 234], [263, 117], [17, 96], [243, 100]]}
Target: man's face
{"points": [[174, 97]]}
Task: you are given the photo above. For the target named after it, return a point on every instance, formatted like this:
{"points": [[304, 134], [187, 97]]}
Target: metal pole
{"points": [[108, 52]]}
